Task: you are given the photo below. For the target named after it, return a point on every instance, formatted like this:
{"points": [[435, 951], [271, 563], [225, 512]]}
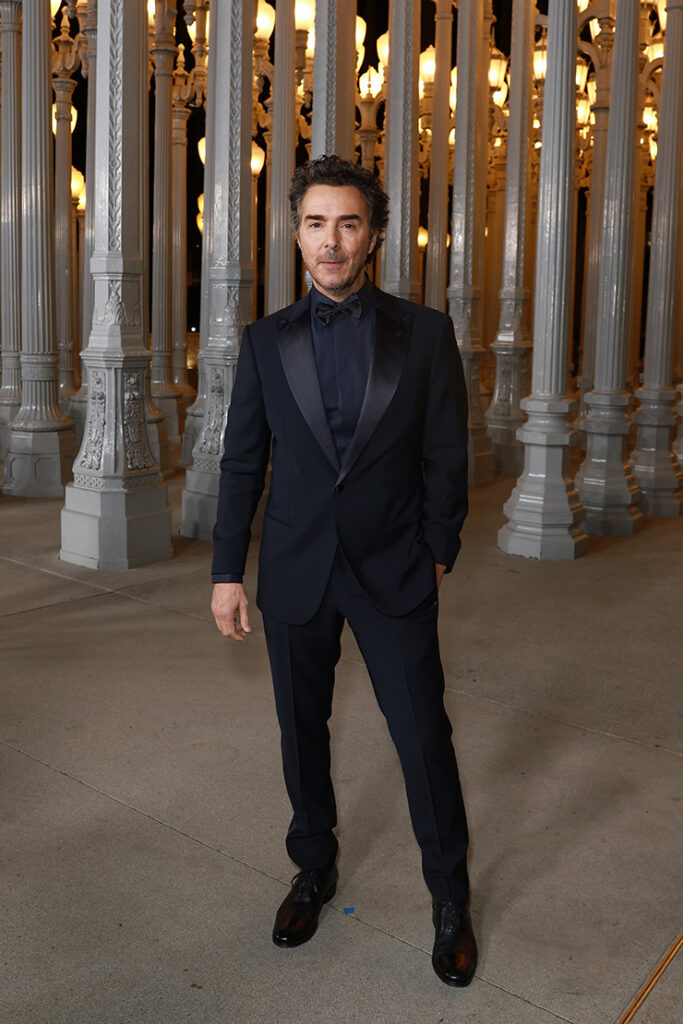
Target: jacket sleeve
{"points": [[243, 468], [444, 453]]}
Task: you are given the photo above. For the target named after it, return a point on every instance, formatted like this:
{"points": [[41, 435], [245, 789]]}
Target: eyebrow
{"points": [[319, 216]]}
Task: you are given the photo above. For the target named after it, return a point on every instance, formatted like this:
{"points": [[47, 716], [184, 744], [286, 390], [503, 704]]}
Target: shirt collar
{"points": [[365, 293]]}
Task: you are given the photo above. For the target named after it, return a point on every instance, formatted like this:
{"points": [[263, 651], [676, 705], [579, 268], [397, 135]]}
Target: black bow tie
{"points": [[327, 311]]}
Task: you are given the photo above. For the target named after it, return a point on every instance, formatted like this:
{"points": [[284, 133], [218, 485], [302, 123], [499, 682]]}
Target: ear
{"points": [[373, 243]]}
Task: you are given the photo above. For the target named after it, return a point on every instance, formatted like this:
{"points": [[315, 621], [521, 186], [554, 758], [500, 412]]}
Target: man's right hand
{"points": [[229, 608]]}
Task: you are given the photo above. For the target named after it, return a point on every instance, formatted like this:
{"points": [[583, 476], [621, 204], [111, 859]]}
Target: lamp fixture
{"points": [[370, 84], [540, 60], [258, 158], [304, 15], [582, 68], [383, 49], [265, 20], [428, 64], [77, 185], [498, 65]]}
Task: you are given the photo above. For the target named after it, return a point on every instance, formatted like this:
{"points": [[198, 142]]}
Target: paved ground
{"points": [[142, 810]]}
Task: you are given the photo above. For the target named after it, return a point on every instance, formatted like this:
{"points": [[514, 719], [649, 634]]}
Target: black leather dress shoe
{"points": [[297, 918], [454, 956]]}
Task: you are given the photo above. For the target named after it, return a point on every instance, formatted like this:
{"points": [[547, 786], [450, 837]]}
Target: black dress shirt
{"points": [[343, 351]]}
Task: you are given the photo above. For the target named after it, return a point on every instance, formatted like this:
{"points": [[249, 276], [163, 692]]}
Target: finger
{"points": [[227, 626], [244, 617]]}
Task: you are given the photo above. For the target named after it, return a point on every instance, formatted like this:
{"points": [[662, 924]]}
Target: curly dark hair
{"points": [[333, 170]]}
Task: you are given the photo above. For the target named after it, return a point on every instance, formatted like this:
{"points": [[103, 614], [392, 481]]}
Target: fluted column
{"points": [[399, 268], [512, 344], [334, 74], [87, 14], [10, 218], [468, 226], [654, 463], [41, 440], [601, 55], [605, 482], [166, 396], [638, 260], [76, 277], [230, 268], [179, 254], [116, 514], [544, 510], [280, 244], [678, 340], [493, 248], [65, 268], [194, 417], [436, 258]]}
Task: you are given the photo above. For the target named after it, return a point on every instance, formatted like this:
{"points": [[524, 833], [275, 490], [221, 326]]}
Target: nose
{"points": [[332, 237]]}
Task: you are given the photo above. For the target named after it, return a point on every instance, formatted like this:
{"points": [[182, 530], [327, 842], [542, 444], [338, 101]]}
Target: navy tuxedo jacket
{"points": [[398, 502]]}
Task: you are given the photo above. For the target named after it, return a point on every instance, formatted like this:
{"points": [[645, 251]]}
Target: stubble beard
{"points": [[341, 287]]}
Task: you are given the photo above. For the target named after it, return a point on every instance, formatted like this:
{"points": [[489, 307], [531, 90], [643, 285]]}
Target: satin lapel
{"points": [[298, 360], [391, 347]]}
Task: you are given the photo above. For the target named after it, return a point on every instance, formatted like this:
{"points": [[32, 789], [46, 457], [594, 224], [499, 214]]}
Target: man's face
{"points": [[334, 238]]}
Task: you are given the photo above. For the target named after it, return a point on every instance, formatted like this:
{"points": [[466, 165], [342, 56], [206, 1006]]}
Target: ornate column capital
{"points": [[10, 15]]}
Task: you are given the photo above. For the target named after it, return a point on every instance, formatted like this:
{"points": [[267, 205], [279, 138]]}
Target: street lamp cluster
{"points": [[188, 91], [467, 150]]}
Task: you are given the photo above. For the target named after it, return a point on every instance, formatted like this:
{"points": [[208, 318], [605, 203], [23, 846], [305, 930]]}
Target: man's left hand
{"points": [[440, 570]]}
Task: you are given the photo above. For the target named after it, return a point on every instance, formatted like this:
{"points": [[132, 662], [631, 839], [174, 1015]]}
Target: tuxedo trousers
{"points": [[402, 657]]}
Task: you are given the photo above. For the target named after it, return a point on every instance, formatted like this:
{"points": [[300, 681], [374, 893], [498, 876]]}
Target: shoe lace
{"points": [[450, 916], [306, 884]]}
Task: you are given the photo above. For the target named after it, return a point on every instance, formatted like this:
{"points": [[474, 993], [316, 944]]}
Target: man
{"points": [[358, 399]]}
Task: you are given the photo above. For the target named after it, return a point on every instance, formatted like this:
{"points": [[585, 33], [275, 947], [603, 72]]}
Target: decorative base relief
{"points": [[116, 513], [200, 498], [191, 431], [38, 463]]}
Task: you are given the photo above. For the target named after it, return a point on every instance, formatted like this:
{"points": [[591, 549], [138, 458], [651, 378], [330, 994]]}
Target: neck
{"points": [[339, 297]]}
